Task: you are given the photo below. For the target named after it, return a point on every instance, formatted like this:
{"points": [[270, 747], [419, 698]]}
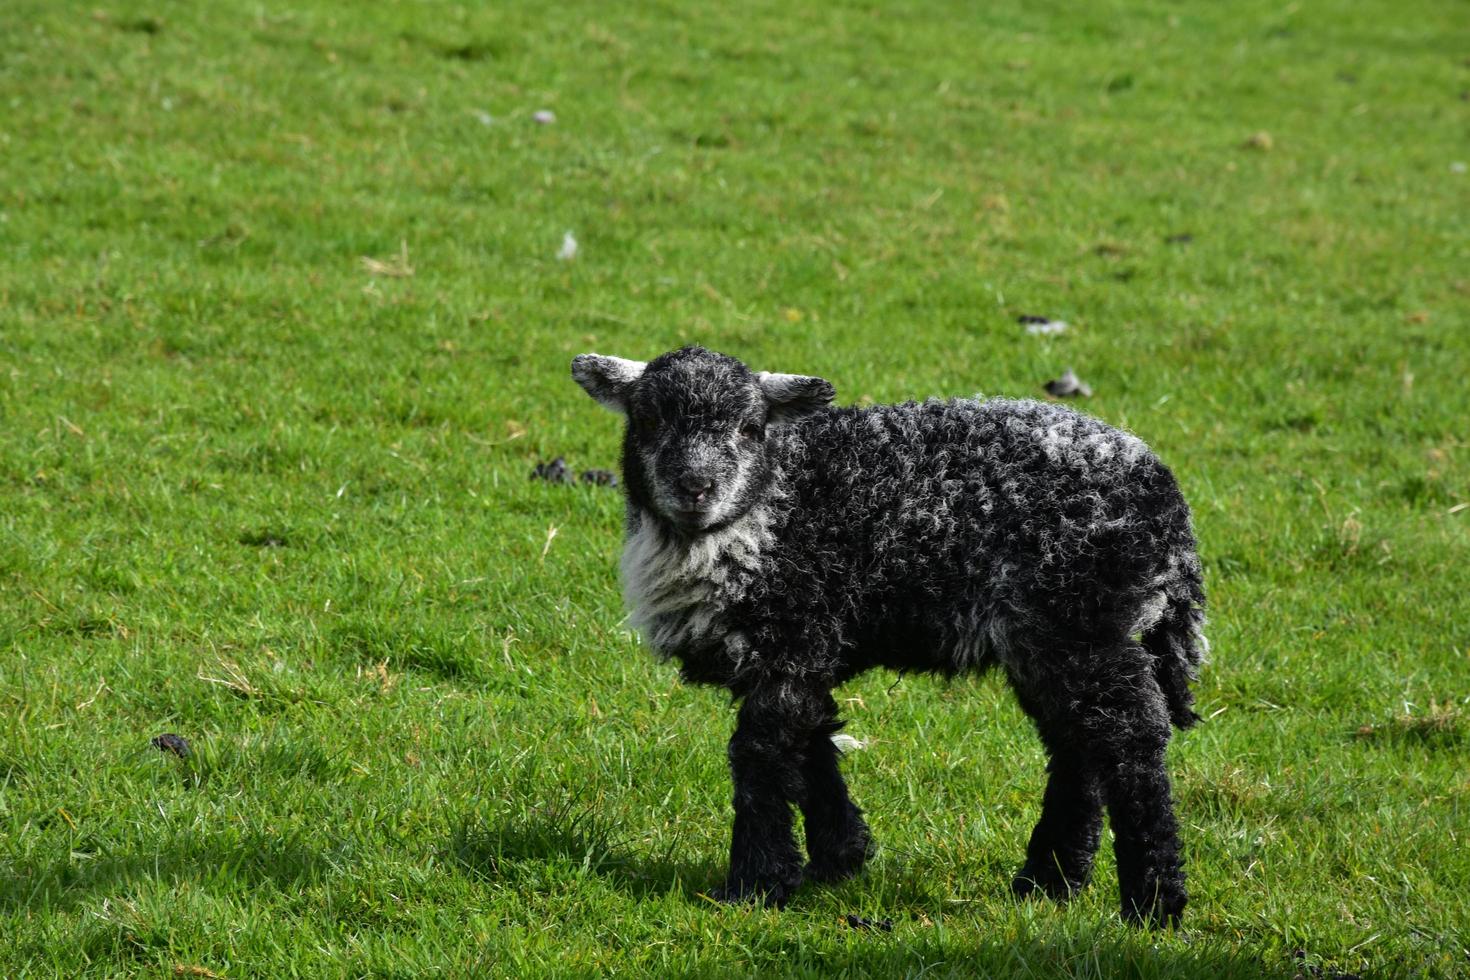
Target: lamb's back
{"points": [[900, 512]]}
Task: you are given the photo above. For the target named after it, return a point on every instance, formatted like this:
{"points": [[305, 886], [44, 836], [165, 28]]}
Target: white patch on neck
{"points": [[675, 589]]}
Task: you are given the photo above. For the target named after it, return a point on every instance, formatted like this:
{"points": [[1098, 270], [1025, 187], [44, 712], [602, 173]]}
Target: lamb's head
{"points": [[694, 450]]}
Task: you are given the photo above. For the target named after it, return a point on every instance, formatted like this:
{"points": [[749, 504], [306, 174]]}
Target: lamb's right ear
{"points": [[607, 378]]}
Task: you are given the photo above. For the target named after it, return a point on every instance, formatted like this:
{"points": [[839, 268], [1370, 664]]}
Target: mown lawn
{"points": [[283, 330]]}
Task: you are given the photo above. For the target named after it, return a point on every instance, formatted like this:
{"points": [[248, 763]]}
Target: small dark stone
{"points": [[1183, 238], [169, 742], [858, 922], [555, 471], [600, 478]]}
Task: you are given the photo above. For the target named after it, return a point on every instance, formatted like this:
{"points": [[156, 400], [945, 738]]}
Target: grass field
{"points": [[283, 330]]}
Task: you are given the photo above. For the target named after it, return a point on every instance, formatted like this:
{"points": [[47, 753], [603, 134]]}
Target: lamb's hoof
{"points": [[843, 862], [1047, 880], [770, 893], [1161, 907]]}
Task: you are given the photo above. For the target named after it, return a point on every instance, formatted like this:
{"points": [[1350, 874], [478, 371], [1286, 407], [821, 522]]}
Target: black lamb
{"points": [[777, 546]]}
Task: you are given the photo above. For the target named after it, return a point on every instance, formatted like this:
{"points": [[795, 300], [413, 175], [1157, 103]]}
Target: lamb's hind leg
{"points": [[1059, 856], [837, 839], [1123, 721]]}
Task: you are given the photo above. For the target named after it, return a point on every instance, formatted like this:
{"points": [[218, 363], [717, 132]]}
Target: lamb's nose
{"points": [[696, 485]]}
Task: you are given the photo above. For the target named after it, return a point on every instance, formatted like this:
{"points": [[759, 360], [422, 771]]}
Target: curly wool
{"points": [[778, 547], [922, 537]]}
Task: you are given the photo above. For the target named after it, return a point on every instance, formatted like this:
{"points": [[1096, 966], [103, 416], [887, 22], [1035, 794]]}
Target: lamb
{"points": [[777, 546]]}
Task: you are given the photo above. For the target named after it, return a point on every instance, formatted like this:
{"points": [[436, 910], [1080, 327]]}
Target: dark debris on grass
{"points": [[264, 538], [557, 471], [169, 742], [1041, 325], [870, 925], [1068, 386]]}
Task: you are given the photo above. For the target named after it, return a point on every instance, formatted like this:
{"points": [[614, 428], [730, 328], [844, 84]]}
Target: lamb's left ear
{"points": [[607, 378], [791, 396]]}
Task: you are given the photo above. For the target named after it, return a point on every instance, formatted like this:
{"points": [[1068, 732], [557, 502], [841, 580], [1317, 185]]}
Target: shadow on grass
{"points": [[550, 846], [1033, 957], [250, 861], [1442, 727], [554, 842], [563, 838], [551, 842], [419, 647]]}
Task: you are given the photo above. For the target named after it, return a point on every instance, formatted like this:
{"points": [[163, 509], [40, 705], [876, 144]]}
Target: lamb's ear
{"points": [[607, 378], [793, 395]]}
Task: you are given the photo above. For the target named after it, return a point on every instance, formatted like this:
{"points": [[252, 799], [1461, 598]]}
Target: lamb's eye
{"points": [[753, 432]]}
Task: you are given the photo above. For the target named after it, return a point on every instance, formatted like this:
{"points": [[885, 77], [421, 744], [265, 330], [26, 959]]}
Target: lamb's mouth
{"points": [[690, 518]]}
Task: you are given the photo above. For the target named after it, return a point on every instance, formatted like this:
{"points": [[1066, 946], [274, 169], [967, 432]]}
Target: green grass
{"points": [[257, 494]]}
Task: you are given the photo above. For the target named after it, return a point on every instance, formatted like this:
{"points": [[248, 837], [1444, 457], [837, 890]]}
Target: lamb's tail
{"points": [[1178, 645]]}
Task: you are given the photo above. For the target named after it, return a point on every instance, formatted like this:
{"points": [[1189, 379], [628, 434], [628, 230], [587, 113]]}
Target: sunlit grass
{"points": [[283, 331]]}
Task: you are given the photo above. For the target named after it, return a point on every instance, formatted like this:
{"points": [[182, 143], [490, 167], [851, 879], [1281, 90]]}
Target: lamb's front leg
{"points": [[837, 840], [766, 757]]}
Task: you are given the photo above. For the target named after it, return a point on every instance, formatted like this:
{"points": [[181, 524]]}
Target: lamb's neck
{"points": [[676, 587]]}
